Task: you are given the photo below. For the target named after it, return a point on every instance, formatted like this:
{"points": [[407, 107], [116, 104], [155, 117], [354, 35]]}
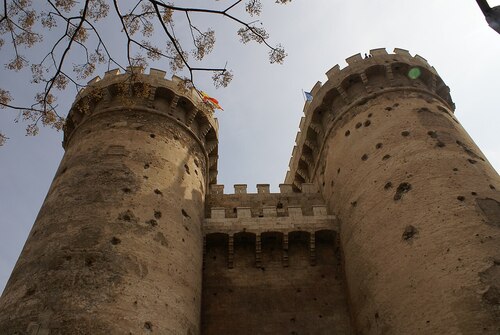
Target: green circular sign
{"points": [[414, 73]]}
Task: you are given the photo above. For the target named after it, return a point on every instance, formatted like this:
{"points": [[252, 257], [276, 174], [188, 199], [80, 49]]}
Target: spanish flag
{"points": [[211, 101]]}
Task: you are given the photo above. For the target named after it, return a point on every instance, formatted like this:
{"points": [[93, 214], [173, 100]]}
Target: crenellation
{"points": [[218, 213], [295, 211], [243, 212], [402, 52], [286, 188], [316, 88], [113, 72], [94, 80], [269, 211], [115, 93], [135, 69], [263, 188], [240, 188], [157, 73], [422, 59], [216, 189], [352, 86], [333, 72], [378, 52], [354, 59]]}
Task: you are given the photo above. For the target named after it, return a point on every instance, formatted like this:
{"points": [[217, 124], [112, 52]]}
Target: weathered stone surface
{"points": [[416, 199], [117, 245]]}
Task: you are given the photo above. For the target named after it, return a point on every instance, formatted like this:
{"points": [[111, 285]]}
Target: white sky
{"points": [[263, 104]]}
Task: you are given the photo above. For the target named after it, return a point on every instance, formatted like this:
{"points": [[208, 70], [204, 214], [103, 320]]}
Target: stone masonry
{"points": [[387, 223]]}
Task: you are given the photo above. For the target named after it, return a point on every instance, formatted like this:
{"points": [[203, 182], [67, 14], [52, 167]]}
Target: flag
{"points": [[308, 96], [211, 101]]}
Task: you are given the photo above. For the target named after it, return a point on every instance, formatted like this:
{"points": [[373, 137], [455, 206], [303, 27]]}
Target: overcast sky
{"points": [[263, 104]]}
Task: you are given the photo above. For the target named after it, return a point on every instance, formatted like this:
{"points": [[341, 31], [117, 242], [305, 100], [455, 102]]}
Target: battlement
{"points": [[363, 79], [257, 211], [218, 189], [135, 90], [241, 204]]}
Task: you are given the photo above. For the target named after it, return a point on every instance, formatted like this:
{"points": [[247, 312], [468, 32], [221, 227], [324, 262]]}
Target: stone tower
{"points": [[117, 245], [417, 201], [387, 223]]}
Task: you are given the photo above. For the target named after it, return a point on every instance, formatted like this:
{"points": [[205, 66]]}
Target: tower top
{"points": [[135, 90], [363, 79]]}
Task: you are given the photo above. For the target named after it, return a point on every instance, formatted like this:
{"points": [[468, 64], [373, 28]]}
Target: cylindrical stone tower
{"points": [[418, 202], [117, 245]]}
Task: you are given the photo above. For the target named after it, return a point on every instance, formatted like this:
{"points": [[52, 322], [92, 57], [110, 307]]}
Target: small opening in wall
{"points": [[185, 214], [152, 222], [440, 144], [148, 326]]}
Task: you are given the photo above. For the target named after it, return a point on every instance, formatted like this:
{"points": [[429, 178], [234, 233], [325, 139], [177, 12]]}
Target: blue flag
{"points": [[308, 96]]}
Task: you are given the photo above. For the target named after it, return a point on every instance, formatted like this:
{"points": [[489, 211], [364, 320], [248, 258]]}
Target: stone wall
{"points": [[272, 264]]}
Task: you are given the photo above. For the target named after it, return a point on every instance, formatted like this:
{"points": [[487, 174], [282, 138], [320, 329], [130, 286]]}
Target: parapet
{"points": [[262, 189], [263, 203], [362, 79], [136, 90], [263, 211]]}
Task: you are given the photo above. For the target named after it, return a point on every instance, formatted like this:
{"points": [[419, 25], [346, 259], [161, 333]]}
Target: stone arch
{"points": [[298, 248], [326, 246], [163, 99], [427, 78], [199, 125], [244, 250], [216, 250], [400, 72], [304, 167], [377, 76], [353, 85], [333, 102], [271, 249], [183, 109]]}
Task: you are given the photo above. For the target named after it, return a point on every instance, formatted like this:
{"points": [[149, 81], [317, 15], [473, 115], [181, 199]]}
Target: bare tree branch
{"points": [[79, 35]]}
